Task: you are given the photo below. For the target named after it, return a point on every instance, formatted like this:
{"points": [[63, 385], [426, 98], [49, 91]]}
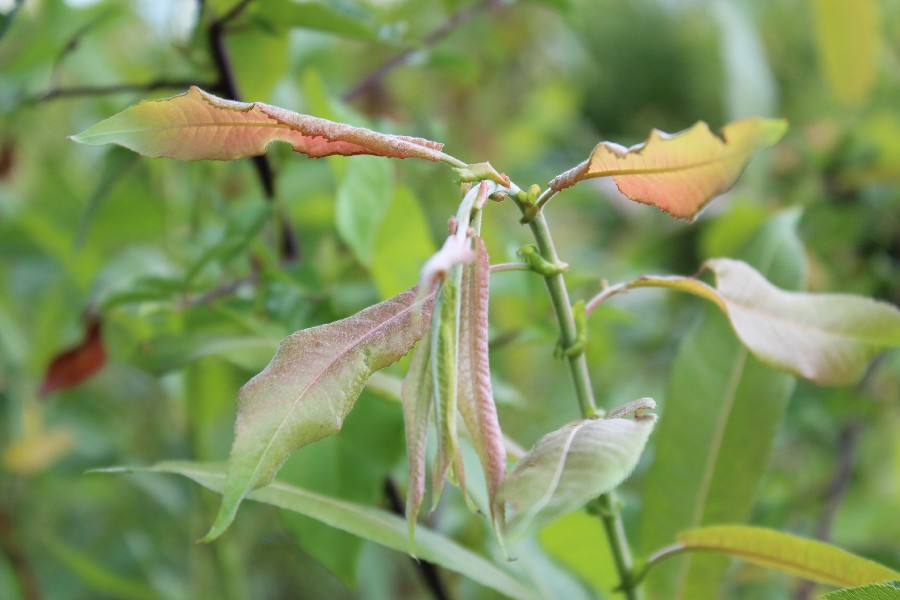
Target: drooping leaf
{"points": [[713, 443], [806, 558], [308, 389], [418, 397], [570, 466], [444, 364], [73, 366], [678, 173], [848, 36], [876, 591], [476, 396], [199, 126], [828, 338], [369, 523]]}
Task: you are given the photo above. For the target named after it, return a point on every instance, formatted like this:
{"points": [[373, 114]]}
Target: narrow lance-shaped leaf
{"points": [[368, 523], [806, 558], [476, 397], [678, 173], [199, 126], [570, 466], [417, 396], [827, 338], [444, 360], [308, 389]]}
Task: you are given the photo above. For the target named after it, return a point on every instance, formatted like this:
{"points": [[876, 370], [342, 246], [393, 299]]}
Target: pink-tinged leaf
{"points": [[476, 397], [570, 466], [73, 366], [678, 173], [308, 389], [199, 126], [417, 396]]}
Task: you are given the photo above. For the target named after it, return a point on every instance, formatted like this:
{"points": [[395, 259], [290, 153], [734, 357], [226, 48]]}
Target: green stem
{"points": [[559, 295], [618, 543]]}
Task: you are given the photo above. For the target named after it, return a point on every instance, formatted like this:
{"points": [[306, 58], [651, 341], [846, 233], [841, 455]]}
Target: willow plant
{"points": [[314, 379]]}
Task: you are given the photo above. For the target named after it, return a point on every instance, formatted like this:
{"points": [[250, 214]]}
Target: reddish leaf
{"points": [[199, 126], [78, 363], [678, 173]]}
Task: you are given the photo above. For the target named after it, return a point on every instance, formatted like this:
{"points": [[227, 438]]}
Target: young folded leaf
{"points": [[417, 396], [806, 558], [444, 361], [570, 466], [309, 387], [199, 126], [828, 338], [476, 397], [679, 173]]}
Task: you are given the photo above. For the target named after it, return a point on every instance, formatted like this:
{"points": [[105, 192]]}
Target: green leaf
{"points": [[363, 198], [806, 558], [353, 467], [875, 591], [568, 467], [403, 243], [308, 389], [720, 416], [418, 397], [369, 523], [678, 173], [848, 36], [99, 576], [199, 126], [344, 17]]}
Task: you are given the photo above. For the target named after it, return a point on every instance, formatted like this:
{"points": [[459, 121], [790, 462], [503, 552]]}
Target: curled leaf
{"points": [[309, 387], [678, 173], [197, 125], [476, 397], [570, 466]]}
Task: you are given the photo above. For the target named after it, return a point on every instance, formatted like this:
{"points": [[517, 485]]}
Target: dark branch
{"points": [[429, 571], [11, 546], [436, 35], [121, 88]]}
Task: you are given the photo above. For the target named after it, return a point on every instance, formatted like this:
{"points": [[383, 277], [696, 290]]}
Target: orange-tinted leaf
{"points": [[682, 172], [73, 366], [199, 126]]}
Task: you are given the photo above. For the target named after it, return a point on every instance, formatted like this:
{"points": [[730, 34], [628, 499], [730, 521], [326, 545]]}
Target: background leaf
{"points": [[848, 43], [363, 198], [718, 422]]}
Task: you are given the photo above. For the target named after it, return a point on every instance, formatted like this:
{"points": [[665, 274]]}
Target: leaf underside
{"points": [[678, 173]]}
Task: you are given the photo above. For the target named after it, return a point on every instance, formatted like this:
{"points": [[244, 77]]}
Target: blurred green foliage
{"points": [[186, 263]]}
